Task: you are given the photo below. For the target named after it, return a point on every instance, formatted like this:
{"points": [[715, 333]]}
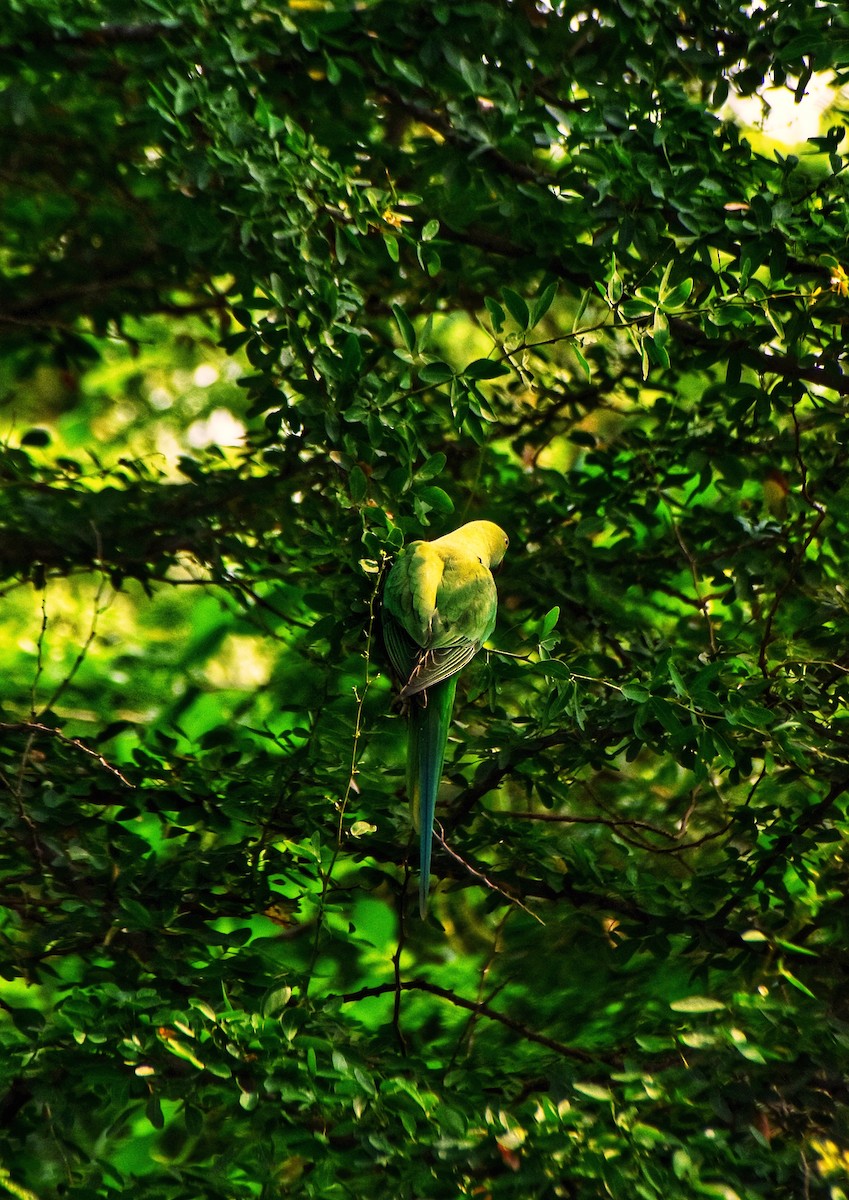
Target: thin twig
{"points": [[18, 793], [567, 819], [439, 834], [466, 1036], [616, 825], [808, 819], [703, 601], [39, 652], [353, 771], [481, 1009], [396, 965], [99, 610], [798, 557], [35, 727]]}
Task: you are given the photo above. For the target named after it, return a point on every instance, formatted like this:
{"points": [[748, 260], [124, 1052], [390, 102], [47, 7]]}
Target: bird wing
{"points": [[403, 651], [434, 665]]}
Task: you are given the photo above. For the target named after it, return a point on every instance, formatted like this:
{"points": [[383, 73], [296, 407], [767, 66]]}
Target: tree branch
{"points": [[35, 727], [809, 818], [480, 1008]]}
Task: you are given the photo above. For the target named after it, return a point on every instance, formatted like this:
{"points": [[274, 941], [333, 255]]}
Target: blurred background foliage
{"points": [[283, 285]]}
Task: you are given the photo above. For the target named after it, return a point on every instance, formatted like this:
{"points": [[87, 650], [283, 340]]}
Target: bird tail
{"points": [[429, 724]]}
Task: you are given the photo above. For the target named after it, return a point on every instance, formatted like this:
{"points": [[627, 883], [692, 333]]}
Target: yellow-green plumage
{"points": [[439, 608]]}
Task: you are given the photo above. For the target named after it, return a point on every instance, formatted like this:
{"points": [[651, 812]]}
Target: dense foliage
{"points": [[283, 285]]}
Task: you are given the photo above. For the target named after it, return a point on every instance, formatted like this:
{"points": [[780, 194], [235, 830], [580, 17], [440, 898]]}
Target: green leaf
{"points": [[276, 1001], [581, 309], [594, 1090], [431, 260], [553, 667], [181, 1050], [614, 288], [430, 230], [678, 295], [436, 499], [637, 308], [352, 356], [433, 467], [549, 621], [542, 304], [648, 1135], [676, 678], [358, 485], [496, 313], [153, 1112], [655, 350], [436, 372], [796, 983], [696, 1004], [582, 362], [517, 307], [796, 949], [405, 328], [486, 368], [752, 1053]]}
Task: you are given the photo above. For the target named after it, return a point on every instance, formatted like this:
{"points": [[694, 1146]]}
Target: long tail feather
{"points": [[429, 724]]}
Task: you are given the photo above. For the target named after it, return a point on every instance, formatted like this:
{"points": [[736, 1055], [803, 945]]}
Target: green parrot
{"points": [[439, 608]]}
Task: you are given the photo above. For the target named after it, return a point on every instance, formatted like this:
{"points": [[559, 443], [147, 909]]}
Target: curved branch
{"points": [[35, 727], [480, 1008], [809, 818]]}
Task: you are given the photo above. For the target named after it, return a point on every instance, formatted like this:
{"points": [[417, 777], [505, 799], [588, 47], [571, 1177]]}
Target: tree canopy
{"points": [[283, 286]]}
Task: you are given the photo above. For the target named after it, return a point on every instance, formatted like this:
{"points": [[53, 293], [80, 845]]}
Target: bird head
{"points": [[489, 539]]}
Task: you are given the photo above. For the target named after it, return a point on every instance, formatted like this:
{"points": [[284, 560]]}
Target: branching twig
{"points": [[396, 965], [352, 786], [99, 609], [466, 1036], [439, 834], [34, 728], [39, 652], [568, 819], [616, 825], [703, 601], [798, 557], [482, 1009], [810, 817]]}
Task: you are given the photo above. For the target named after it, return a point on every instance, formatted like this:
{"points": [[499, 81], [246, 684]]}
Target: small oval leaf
{"points": [[485, 368], [516, 307], [696, 1004], [594, 1090]]}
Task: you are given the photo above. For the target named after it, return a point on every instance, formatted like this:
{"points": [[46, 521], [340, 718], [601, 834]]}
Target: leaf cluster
{"points": [[431, 262]]}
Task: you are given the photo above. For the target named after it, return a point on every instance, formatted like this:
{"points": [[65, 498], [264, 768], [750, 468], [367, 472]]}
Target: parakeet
{"points": [[439, 606]]}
